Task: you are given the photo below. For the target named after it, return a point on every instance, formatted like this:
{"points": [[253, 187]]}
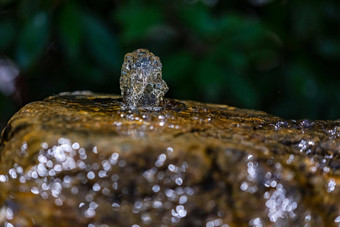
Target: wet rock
{"points": [[81, 159]]}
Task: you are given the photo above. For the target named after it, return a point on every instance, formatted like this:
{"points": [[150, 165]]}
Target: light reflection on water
{"points": [[279, 205], [53, 178]]}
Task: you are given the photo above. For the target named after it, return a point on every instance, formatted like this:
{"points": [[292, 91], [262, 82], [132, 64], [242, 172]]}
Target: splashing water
{"points": [[141, 81]]}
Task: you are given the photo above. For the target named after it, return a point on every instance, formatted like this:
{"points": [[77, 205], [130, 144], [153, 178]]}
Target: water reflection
{"points": [[53, 178], [279, 205]]}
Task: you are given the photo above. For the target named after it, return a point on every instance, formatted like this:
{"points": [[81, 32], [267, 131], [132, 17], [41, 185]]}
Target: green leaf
{"points": [[329, 48], [71, 29], [199, 18], [306, 18], [7, 33], [241, 31], [84, 71], [241, 89], [235, 59], [176, 66], [138, 20], [101, 43], [301, 79], [5, 2], [230, 23], [264, 59], [210, 77], [32, 40]]}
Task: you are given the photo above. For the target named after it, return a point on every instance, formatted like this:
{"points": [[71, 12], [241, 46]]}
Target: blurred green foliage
{"points": [[278, 56]]}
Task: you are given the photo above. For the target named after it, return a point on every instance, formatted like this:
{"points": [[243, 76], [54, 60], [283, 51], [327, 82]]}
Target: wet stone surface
{"points": [[80, 159]]}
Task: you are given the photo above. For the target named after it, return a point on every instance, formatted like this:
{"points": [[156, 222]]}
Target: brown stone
{"points": [[79, 159]]}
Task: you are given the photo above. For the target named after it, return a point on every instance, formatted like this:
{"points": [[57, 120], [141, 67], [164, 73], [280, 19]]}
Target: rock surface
{"points": [[81, 160]]}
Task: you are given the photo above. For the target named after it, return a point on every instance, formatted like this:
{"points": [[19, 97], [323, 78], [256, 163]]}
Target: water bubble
{"points": [[89, 197], [157, 204], [172, 168], [115, 205], [106, 191], [22, 179], [34, 174], [58, 202], [183, 199], [74, 190], [155, 188], [179, 181], [35, 190], [170, 150], [106, 165], [90, 175], [337, 219], [138, 204], [44, 145], [113, 159], [42, 159], [96, 187], [244, 186], [115, 177], [3, 178], [7, 224], [170, 193], [146, 218], [121, 163], [181, 211], [102, 173], [12, 172], [115, 185], [93, 205], [89, 213], [75, 146], [331, 185]]}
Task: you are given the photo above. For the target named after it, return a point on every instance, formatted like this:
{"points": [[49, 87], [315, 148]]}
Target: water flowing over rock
{"points": [[80, 159]]}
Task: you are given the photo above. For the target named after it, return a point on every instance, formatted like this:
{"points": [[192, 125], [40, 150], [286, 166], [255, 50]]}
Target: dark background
{"points": [[278, 56]]}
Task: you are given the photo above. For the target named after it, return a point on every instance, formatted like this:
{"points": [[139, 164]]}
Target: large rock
{"points": [[81, 160]]}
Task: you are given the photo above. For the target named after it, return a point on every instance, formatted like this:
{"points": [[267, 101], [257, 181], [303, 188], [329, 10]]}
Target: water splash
{"points": [[141, 81]]}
